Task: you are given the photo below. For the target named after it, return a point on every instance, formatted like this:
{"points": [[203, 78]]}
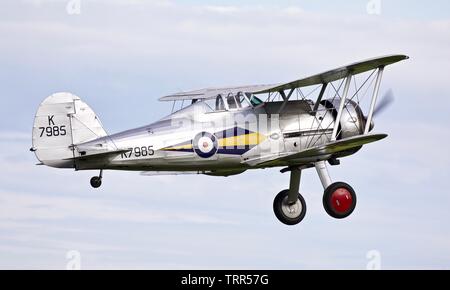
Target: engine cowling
{"points": [[352, 121]]}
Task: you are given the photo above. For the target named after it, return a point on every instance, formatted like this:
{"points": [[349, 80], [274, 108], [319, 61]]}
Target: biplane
{"points": [[312, 122]]}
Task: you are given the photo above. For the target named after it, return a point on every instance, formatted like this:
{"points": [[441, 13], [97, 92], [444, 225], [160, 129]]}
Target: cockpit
{"points": [[233, 102]]}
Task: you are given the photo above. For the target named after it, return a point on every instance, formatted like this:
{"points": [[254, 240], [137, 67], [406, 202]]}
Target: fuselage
{"points": [[221, 140]]}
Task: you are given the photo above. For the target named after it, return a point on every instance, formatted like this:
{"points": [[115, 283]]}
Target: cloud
{"points": [[221, 9], [23, 206], [14, 136]]}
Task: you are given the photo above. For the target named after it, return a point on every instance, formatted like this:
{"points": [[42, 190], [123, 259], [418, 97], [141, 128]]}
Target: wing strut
{"points": [[285, 99], [341, 108], [316, 105], [374, 99]]}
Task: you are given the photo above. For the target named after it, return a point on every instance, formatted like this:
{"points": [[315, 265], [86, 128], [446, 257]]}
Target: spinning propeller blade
{"points": [[386, 100], [384, 103]]}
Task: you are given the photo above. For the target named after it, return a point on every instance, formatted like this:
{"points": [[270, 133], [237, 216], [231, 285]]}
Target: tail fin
{"points": [[63, 120]]}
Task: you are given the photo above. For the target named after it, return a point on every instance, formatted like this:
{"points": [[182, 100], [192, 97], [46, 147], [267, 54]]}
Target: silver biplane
{"points": [[310, 122]]}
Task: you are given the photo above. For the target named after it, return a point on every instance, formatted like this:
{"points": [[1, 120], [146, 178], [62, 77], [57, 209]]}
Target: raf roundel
{"points": [[205, 144]]}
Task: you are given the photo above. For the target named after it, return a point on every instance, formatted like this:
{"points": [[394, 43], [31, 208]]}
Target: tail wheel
{"points": [[339, 200], [289, 214]]}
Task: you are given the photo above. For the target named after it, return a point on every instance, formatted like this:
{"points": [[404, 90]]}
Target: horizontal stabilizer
{"points": [[105, 154]]}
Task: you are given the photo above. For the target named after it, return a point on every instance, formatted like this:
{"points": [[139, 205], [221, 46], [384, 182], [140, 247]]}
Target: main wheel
{"points": [[339, 200], [289, 214], [96, 182]]}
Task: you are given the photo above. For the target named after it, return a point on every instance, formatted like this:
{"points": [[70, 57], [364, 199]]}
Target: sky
{"points": [[121, 56]]}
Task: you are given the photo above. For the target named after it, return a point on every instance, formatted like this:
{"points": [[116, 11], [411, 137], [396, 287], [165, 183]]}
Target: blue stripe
{"points": [[232, 132]]}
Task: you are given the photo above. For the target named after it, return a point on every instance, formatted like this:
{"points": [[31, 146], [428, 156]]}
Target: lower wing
{"points": [[318, 151]]}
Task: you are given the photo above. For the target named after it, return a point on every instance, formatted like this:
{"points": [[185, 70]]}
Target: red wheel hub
{"points": [[341, 200]]}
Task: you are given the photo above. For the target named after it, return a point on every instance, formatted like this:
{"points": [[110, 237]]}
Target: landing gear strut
{"points": [[96, 181], [289, 205], [339, 198]]}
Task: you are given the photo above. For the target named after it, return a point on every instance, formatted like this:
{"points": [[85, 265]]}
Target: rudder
{"points": [[63, 120]]}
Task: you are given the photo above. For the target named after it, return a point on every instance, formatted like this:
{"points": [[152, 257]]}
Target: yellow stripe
{"points": [[180, 147], [242, 140]]}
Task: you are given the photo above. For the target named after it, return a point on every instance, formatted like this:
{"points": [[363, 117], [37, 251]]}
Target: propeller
{"points": [[384, 103]]}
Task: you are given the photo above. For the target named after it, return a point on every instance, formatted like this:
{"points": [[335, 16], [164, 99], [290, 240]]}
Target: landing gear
{"points": [[289, 213], [339, 198], [289, 206], [96, 181]]}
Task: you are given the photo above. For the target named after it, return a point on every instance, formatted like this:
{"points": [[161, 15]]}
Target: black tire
{"points": [[280, 202], [96, 182], [331, 208]]}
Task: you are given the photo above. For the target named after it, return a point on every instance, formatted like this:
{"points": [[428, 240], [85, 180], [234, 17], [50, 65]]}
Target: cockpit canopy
{"points": [[233, 102]]}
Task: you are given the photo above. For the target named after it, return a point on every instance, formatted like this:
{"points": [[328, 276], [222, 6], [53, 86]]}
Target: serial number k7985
{"points": [[140, 151]]}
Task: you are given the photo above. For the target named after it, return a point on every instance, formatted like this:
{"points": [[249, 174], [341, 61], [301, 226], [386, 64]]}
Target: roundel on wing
{"points": [[205, 144]]}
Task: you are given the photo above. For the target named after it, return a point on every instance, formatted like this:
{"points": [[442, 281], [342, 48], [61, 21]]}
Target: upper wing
{"points": [[326, 77], [330, 148], [209, 93], [338, 73]]}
